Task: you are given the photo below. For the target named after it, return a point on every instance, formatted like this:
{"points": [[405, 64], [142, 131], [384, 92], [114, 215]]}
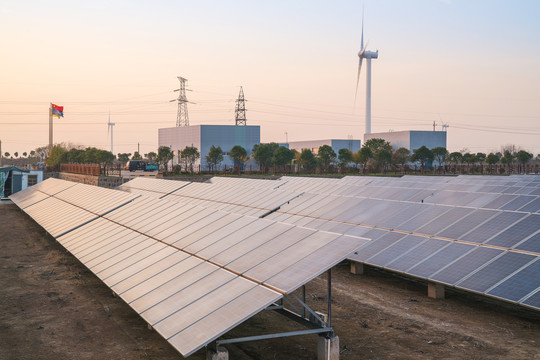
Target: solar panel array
{"points": [[480, 234], [192, 272]]}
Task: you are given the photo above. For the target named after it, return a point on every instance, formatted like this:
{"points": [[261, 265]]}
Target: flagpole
{"points": [[50, 128]]}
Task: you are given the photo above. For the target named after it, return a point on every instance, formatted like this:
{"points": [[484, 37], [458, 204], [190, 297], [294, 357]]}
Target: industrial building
{"points": [[204, 136], [14, 179], [411, 139], [335, 144]]}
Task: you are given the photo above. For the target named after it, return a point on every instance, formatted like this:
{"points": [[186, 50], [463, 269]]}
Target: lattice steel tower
{"points": [[182, 118], [240, 111]]}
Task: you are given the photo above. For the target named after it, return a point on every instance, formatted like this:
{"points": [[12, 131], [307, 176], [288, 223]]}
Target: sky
{"points": [[471, 64]]}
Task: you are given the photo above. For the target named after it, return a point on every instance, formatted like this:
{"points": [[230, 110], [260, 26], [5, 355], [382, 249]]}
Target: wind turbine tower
{"points": [[368, 55], [110, 128]]}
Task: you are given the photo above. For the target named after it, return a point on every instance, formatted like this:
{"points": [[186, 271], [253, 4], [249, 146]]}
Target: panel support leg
{"points": [[220, 354], [357, 268], [435, 290], [328, 348]]}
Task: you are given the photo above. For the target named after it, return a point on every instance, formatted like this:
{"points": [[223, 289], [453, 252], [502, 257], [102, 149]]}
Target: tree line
{"points": [[375, 156]]}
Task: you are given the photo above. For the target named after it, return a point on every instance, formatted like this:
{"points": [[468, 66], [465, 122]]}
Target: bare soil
{"points": [[52, 307]]}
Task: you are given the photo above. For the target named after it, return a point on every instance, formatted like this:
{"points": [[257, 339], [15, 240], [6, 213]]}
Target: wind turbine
{"points": [[110, 128], [368, 55]]}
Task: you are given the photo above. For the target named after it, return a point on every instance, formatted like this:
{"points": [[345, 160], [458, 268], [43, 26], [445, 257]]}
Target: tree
{"points": [[355, 159], [454, 158], [32, 153], [189, 156], [492, 159], [307, 160], [439, 155], [239, 155], [384, 157], [523, 157], [151, 156], [376, 145], [214, 157], [6, 154], [401, 156], [55, 156], [24, 154], [508, 158], [345, 156], [105, 157], [263, 154], [164, 155], [282, 156], [326, 156], [364, 155], [16, 154], [75, 156], [422, 155], [481, 158], [136, 156], [124, 157]]}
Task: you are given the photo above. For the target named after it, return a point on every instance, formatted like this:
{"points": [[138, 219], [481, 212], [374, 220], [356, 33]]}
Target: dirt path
{"points": [[51, 307]]}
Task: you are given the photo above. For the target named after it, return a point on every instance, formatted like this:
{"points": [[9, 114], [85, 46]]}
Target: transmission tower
{"points": [[240, 111], [182, 118]]}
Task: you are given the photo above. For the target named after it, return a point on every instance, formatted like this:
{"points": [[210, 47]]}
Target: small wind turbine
{"points": [[110, 128], [368, 55]]}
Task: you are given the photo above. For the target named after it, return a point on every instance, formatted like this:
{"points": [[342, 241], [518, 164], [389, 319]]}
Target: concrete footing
{"points": [[435, 290], [328, 348], [221, 354], [357, 268]]}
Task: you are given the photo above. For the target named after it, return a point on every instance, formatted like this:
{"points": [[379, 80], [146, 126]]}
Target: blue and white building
{"points": [[204, 136]]}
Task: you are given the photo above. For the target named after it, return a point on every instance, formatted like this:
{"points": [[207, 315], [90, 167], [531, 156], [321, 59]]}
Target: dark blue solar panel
{"points": [[495, 271], [418, 254], [520, 284], [493, 226], [464, 225], [517, 232], [535, 192], [533, 206], [444, 220], [518, 202], [533, 300], [374, 246], [500, 201], [424, 217], [465, 265], [440, 259], [413, 211], [532, 244], [395, 250]]}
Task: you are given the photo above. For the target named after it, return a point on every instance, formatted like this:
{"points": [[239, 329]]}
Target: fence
{"points": [[92, 169]]}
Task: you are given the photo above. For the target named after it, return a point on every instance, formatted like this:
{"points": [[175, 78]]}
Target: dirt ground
{"points": [[51, 307]]}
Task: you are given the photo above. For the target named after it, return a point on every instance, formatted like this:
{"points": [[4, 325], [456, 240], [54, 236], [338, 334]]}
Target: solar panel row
{"points": [[192, 272]]}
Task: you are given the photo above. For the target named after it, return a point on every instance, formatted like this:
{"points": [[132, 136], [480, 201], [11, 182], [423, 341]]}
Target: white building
{"points": [[204, 136], [411, 139], [335, 144]]}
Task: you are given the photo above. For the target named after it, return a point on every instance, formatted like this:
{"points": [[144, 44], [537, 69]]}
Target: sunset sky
{"points": [[473, 64]]}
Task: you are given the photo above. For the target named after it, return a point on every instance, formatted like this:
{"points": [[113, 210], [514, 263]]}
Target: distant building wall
{"points": [[411, 139], [204, 136], [335, 144]]}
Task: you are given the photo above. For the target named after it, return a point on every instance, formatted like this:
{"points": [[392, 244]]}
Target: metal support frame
{"points": [[296, 315]]}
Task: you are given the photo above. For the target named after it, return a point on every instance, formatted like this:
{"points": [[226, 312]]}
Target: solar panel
{"points": [[465, 225], [492, 227], [416, 255], [519, 285], [533, 206], [444, 220], [533, 300], [531, 244], [454, 271], [375, 246], [517, 232], [394, 251], [439, 259], [492, 273]]}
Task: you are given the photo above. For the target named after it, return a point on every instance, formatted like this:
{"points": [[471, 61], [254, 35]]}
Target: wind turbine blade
{"points": [[362, 41], [358, 79]]}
